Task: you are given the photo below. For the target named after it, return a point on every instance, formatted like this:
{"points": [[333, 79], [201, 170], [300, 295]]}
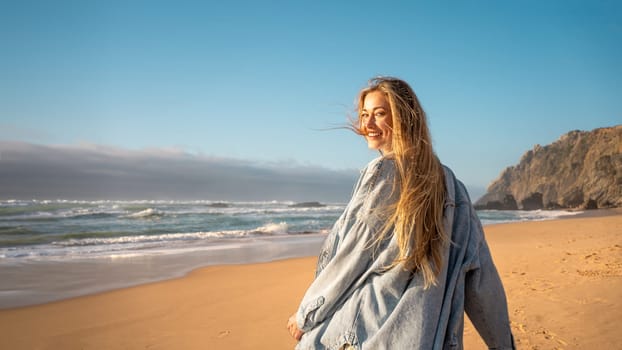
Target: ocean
{"points": [[64, 229], [52, 249]]}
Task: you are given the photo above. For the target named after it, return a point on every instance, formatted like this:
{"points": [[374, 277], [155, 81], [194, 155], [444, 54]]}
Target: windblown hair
{"points": [[417, 216]]}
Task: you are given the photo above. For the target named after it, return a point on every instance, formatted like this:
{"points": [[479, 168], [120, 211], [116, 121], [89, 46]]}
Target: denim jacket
{"points": [[356, 300]]}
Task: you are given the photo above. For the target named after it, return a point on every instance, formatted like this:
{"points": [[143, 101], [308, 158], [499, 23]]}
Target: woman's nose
{"points": [[371, 121]]}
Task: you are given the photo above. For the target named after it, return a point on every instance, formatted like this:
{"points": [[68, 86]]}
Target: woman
{"points": [[408, 255]]}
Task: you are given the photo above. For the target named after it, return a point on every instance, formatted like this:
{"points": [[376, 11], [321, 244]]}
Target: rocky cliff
{"points": [[583, 169]]}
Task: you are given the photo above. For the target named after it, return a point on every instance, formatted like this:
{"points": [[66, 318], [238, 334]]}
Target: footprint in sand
{"points": [[552, 336], [602, 265], [593, 255], [519, 326]]}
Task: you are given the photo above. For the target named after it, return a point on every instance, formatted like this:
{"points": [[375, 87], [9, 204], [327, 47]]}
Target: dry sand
{"points": [[563, 279]]}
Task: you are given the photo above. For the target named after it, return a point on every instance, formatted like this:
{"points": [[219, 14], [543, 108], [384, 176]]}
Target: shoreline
{"points": [[65, 280], [595, 213], [562, 278], [125, 272]]}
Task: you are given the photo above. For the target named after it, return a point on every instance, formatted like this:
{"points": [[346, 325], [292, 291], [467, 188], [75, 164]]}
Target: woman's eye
{"points": [[380, 114]]}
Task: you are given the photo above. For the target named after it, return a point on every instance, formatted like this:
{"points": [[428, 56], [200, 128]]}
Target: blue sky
{"points": [[261, 81]]}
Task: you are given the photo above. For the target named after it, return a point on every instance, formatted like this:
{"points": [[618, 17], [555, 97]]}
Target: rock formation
{"points": [[583, 169]]}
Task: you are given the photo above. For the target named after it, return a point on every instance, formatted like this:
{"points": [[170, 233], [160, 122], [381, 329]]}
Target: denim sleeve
{"points": [[485, 301], [343, 270], [337, 279]]}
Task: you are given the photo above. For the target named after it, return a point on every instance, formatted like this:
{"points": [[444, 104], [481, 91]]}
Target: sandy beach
{"points": [[563, 280]]}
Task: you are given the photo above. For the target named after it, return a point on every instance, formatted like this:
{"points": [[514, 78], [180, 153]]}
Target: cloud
{"points": [[90, 171]]}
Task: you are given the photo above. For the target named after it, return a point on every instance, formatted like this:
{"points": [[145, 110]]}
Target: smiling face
{"points": [[377, 121]]}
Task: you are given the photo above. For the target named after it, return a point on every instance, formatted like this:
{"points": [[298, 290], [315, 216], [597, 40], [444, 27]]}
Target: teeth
{"points": [[373, 134]]}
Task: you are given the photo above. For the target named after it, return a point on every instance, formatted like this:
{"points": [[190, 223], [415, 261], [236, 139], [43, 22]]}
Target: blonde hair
{"points": [[417, 216]]}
